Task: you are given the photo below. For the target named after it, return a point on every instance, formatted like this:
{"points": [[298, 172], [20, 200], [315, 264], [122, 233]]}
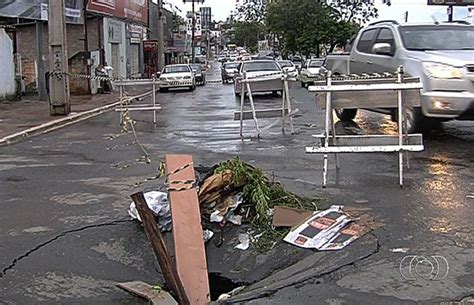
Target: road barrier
{"points": [[369, 92], [285, 112]]}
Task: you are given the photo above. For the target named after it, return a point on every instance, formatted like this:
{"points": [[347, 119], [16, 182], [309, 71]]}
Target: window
{"points": [[365, 42], [176, 69], [386, 36], [440, 37], [315, 64], [260, 66]]}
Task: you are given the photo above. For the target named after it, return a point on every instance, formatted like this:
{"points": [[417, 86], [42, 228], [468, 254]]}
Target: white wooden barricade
{"points": [[126, 107], [363, 94], [284, 113]]}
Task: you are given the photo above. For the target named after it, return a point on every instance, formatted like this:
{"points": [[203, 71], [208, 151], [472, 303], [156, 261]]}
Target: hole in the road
{"points": [[219, 284]]}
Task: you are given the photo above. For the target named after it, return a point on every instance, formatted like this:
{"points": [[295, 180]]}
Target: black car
{"points": [[199, 75], [228, 70]]}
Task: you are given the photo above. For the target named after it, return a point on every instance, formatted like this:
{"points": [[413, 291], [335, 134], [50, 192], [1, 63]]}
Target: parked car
{"points": [[199, 75], [259, 67], [289, 67], [228, 71], [202, 61], [311, 70], [441, 55], [177, 76], [298, 61]]}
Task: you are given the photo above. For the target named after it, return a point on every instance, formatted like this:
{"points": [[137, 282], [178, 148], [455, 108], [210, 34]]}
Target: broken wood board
{"points": [[146, 291], [187, 230], [167, 266], [289, 217]]}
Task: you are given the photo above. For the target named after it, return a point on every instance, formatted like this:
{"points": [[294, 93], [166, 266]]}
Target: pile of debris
{"points": [[236, 193]]}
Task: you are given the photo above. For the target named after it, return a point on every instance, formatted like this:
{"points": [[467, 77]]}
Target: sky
{"points": [[418, 11]]}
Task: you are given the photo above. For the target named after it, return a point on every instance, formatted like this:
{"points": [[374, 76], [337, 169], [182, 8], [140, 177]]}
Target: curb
{"points": [[55, 124]]}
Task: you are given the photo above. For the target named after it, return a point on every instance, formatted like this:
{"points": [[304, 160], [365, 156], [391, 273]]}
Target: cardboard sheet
{"points": [[327, 230], [289, 217]]}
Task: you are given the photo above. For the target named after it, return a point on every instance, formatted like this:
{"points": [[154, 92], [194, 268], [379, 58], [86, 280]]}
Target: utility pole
{"points": [[450, 13], [193, 51], [161, 38], [86, 43], [59, 102], [42, 94]]}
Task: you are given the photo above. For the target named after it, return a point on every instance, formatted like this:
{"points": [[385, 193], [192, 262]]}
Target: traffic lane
{"points": [[413, 217], [429, 216]]}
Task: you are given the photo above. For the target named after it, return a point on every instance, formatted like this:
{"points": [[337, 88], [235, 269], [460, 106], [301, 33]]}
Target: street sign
{"points": [[451, 2]]}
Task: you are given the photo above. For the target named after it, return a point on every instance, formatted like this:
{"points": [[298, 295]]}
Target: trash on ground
{"points": [[238, 193], [207, 235], [158, 203], [289, 217], [327, 230], [244, 240], [400, 250]]}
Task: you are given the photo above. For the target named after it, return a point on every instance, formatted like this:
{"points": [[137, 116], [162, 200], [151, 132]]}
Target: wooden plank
{"points": [[261, 114], [368, 81], [187, 230], [369, 99], [159, 247], [146, 291], [365, 87], [363, 149], [371, 140], [137, 109]]}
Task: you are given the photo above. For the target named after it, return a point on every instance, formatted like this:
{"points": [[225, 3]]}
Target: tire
{"points": [[416, 121], [275, 93], [303, 85], [346, 114], [193, 87], [163, 90]]}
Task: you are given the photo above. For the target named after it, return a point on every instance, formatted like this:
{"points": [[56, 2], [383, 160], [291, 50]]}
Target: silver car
{"points": [[441, 55], [269, 69]]}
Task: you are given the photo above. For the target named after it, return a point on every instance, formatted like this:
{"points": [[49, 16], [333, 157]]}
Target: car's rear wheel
{"points": [[163, 89], [346, 114]]}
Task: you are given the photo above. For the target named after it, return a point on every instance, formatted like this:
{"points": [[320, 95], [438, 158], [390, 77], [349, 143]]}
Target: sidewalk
{"points": [[17, 116]]}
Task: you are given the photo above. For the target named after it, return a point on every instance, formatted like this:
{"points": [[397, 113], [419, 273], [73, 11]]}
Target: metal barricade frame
{"points": [[402, 143]]}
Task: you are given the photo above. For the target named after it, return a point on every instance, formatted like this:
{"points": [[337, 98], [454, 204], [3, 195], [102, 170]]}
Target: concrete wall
{"points": [[26, 45], [114, 32], [7, 66]]}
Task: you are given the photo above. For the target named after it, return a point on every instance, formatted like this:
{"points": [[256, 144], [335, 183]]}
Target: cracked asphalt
{"points": [[65, 236]]}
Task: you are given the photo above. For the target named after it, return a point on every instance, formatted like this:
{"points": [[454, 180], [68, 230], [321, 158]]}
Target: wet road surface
{"points": [[65, 235]]}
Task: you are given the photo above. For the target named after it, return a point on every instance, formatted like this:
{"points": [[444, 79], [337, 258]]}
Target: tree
{"points": [[354, 11], [253, 11], [299, 24], [178, 22], [305, 25], [248, 34]]}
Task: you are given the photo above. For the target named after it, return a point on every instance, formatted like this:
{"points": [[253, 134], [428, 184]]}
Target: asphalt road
{"points": [[65, 236]]}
